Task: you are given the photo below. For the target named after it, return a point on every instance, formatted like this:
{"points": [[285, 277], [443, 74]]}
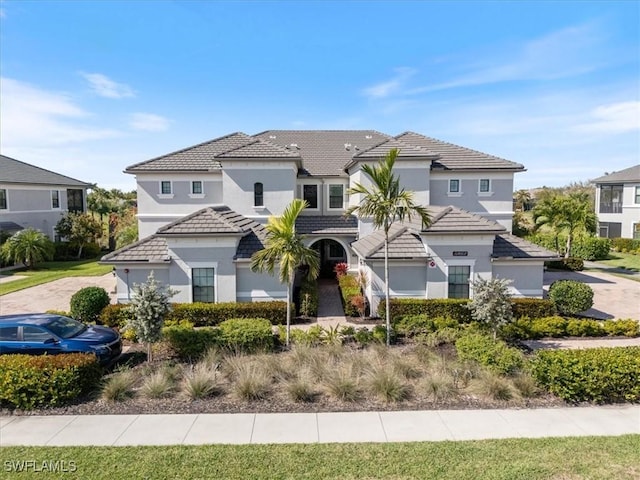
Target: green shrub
{"points": [[28, 381], [349, 288], [627, 327], [115, 316], [363, 336], [309, 299], [496, 355], [626, 244], [584, 328], [591, 248], [190, 343], [412, 325], [62, 313], [572, 264], [600, 375], [247, 334], [432, 307], [532, 307], [212, 314], [571, 297], [88, 302], [549, 327]]}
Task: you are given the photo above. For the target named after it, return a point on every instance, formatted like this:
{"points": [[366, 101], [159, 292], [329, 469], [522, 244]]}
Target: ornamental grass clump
{"points": [[118, 387], [387, 385], [199, 382], [157, 385], [251, 383]]}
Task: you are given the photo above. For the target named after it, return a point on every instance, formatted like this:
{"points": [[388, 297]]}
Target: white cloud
{"points": [[148, 122], [384, 89], [105, 87], [32, 116], [613, 118]]}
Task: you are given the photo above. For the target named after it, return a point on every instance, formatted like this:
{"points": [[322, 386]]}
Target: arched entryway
{"points": [[330, 252]]}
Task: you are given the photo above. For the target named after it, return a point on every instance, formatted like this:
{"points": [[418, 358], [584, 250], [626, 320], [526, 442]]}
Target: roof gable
{"points": [[15, 171], [152, 249], [209, 221], [455, 220], [509, 246]]}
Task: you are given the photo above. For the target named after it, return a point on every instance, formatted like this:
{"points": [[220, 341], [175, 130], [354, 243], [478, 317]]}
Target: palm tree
{"points": [[28, 246], [286, 250], [385, 202], [522, 200]]}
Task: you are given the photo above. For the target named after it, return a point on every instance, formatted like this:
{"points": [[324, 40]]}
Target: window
{"points": [[611, 198], [165, 187], [485, 185], [336, 196], [9, 334], [610, 229], [55, 199], [310, 194], [75, 202], [3, 199], [34, 334], [258, 194], [637, 196], [459, 281], [454, 186], [203, 283], [196, 187]]}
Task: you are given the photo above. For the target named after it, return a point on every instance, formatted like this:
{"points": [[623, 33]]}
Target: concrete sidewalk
{"points": [[249, 428]]}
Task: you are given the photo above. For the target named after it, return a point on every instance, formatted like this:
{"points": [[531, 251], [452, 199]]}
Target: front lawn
{"points": [[50, 271], [549, 458], [623, 260]]}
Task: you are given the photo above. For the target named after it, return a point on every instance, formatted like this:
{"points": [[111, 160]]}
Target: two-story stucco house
{"points": [[618, 203], [202, 211], [32, 197]]}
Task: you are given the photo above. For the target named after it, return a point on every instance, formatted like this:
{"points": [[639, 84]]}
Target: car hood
{"points": [[96, 333]]}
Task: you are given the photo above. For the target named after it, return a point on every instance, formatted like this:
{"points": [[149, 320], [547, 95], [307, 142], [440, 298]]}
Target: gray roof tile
{"points": [[631, 174], [454, 157], [455, 220], [209, 221], [260, 149], [404, 150], [403, 243], [510, 246], [327, 225], [325, 152], [254, 241], [151, 249], [15, 171]]}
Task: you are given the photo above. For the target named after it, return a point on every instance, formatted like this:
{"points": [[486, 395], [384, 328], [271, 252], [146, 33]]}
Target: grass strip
{"points": [[548, 458], [50, 271]]}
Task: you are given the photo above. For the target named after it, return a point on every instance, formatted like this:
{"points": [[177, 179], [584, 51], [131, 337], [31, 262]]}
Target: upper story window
{"points": [[165, 187], [196, 187], [55, 199], [258, 195], [484, 185], [310, 195], [637, 196], [611, 198], [336, 196], [75, 200], [454, 185], [3, 199]]}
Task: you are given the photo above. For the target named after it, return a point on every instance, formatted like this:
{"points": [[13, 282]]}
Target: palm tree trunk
{"points": [[288, 313], [567, 254], [386, 286]]}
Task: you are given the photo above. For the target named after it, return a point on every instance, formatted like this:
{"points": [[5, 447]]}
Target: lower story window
{"points": [[459, 281], [202, 280], [636, 231]]}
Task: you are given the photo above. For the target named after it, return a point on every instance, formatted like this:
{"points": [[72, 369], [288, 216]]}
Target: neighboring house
{"points": [[202, 211], [33, 197], [618, 203]]}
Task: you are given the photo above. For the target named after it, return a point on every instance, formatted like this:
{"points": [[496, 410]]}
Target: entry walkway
{"points": [[340, 427]]}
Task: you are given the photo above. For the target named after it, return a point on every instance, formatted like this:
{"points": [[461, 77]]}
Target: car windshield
{"points": [[65, 327]]}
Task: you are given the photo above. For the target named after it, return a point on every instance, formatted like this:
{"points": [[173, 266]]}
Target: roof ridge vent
{"points": [[347, 146], [368, 137]]}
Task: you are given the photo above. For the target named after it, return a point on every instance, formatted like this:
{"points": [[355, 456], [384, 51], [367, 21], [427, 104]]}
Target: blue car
{"points": [[40, 333]]}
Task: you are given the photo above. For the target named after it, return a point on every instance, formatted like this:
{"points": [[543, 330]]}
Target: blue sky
{"points": [[89, 87]]}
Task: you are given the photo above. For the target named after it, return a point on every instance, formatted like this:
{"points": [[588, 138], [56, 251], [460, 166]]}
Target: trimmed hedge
{"points": [[586, 248], [600, 375], [191, 344], [349, 288], [528, 329], [211, 314], [115, 315], [493, 354], [247, 334], [571, 297], [572, 264], [88, 302], [415, 325], [625, 245], [532, 307], [28, 381]]}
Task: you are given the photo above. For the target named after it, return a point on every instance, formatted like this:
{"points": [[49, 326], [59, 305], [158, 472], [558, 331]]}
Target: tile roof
{"points": [[510, 246], [631, 174], [455, 220], [327, 225], [403, 244], [205, 156], [209, 221], [405, 150], [151, 249], [10, 227], [15, 171], [454, 157], [254, 241], [325, 152]]}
